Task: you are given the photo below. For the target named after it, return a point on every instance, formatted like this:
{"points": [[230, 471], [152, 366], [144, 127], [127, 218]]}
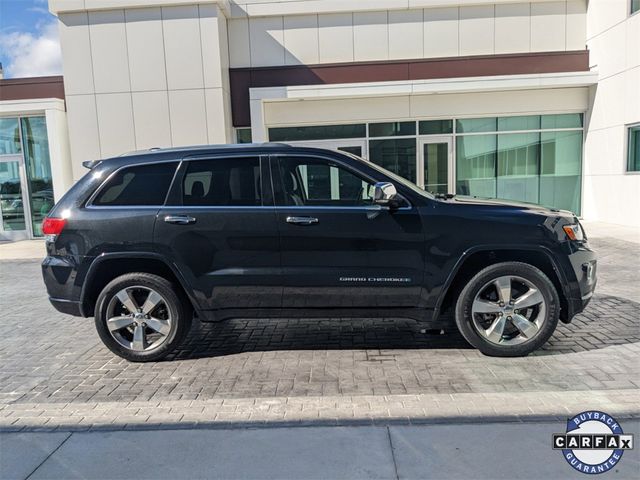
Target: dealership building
{"points": [[536, 101]]}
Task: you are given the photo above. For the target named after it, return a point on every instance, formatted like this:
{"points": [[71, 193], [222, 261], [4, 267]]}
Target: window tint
{"points": [[319, 182], [142, 185], [222, 181]]}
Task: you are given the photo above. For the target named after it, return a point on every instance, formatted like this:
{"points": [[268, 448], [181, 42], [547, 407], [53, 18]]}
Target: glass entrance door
{"points": [[435, 164], [14, 212]]}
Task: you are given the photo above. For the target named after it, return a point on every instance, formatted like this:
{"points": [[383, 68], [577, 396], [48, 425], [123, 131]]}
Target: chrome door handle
{"points": [[302, 220], [180, 219]]}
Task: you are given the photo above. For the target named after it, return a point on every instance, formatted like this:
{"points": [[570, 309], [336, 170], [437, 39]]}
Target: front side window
{"points": [[633, 149], [309, 181], [142, 185], [223, 182]]}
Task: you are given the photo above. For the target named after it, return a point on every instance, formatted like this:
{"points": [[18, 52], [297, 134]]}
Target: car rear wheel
{"points": [[140, 317], [508, 309]]}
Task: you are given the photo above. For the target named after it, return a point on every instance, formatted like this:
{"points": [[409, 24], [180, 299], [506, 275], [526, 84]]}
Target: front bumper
{"points": [[584, 266]]}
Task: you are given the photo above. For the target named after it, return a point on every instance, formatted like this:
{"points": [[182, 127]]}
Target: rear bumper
{"points": [[60, 275]]}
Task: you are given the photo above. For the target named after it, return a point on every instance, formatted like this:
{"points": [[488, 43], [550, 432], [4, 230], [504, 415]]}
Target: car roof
{"points": [[176, 153]]}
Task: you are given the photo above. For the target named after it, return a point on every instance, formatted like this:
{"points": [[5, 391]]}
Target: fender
{"points": [[492, 248], [133, 255]]}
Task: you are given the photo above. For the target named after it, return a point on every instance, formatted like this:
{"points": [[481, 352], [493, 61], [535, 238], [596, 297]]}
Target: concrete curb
{"points": [[317, 411]]}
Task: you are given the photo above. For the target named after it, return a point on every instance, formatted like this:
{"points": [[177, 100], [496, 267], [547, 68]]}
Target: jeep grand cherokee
{"points": [[146, 241]]}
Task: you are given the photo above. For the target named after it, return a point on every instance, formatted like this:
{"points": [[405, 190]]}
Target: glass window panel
{"points": [[9, 136], [435, 127], [396, 155], [11, 207], [222, 182], [568, 120], [392, 129], [320, 182], [635, 6], [317, 132], [38, 166], [561, 168], [529, 122], [436, 162], [633, 150], [476, 165], [141, 185], [469, 125], [518, 164], [243, 135]]}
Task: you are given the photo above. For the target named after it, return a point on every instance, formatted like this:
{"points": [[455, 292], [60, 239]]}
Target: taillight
{"points": [[51, 227]]}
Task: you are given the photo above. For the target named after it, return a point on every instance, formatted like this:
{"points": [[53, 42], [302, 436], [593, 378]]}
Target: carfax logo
{"points": [[594, 442]]}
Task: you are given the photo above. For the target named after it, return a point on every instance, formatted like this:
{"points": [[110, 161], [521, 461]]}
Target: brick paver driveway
{"points": [[54, 371]]}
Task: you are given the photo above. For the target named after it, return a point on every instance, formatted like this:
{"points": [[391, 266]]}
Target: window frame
{"points": [[627, 145], [90, 202]]}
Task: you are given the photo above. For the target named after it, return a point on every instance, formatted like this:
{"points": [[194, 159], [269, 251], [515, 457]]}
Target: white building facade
{"points": [[536, 101]]}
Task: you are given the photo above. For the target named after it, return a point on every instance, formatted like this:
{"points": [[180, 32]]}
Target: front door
{"points": [[338, 249], [435, 164], [219, 229]]}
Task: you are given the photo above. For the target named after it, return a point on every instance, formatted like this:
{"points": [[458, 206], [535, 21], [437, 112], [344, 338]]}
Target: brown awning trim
{"points": [[31, 87], [242, 79]]}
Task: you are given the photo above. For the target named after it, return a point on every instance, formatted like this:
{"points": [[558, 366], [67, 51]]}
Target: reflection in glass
{"points": [[317, 132], [476, 165], [529, 122], [435, 127], [436, 162], [38, 166], [11, 206], [518, 159], [561, 168], [633, 150], [9, 136], [565, 120], [469, 125], [392, 129], [396, 155]]}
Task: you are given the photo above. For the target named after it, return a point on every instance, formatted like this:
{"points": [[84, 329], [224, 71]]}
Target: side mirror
{"points": [[385, 193]]}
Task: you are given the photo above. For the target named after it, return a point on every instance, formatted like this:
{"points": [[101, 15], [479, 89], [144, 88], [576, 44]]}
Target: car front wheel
{"points": [[141, 317], [508, 309]]}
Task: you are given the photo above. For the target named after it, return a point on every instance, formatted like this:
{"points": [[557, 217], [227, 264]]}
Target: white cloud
{"points": [[32, 54]]}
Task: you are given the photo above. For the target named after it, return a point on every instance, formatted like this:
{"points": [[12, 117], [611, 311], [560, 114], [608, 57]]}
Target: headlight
{"points": [[574, 232]]}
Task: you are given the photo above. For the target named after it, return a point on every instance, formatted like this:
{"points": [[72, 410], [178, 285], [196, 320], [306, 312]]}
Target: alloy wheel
{"points": [[508, 310], [138, 318]]}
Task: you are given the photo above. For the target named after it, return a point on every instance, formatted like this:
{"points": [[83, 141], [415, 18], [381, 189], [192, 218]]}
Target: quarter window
{"points": [[223, 182], [142, 185], [320, 182]]}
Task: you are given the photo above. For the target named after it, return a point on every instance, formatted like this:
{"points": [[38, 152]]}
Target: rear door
{"points": [[338, 249], [219, 229]]}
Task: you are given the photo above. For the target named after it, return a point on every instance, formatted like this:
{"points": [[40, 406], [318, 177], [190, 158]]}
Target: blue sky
{"points": [[29, 43]]}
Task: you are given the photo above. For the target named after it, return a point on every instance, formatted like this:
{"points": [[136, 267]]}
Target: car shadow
{"points": [[607, 321]]}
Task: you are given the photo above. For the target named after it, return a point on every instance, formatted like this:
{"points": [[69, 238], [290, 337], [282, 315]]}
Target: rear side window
{"points": [[140, 185], [222, 182]]}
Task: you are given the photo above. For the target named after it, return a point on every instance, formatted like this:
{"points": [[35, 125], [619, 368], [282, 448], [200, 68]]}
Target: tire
{"points": [[135, 336], [505, 333]]}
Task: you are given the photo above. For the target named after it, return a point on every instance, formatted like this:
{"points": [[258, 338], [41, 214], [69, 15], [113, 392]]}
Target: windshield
{"points": [[395, 177]]}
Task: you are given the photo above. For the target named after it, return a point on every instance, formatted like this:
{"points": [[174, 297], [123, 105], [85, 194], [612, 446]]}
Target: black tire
{"points": [[176, 305], [464, 319]]}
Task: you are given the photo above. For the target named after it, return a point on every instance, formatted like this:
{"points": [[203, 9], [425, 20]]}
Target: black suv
{"points": [[146, 241]]}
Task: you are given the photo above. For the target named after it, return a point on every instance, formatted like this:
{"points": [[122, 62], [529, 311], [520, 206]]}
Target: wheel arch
{"points": [[477, 258], [108, 266]]}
